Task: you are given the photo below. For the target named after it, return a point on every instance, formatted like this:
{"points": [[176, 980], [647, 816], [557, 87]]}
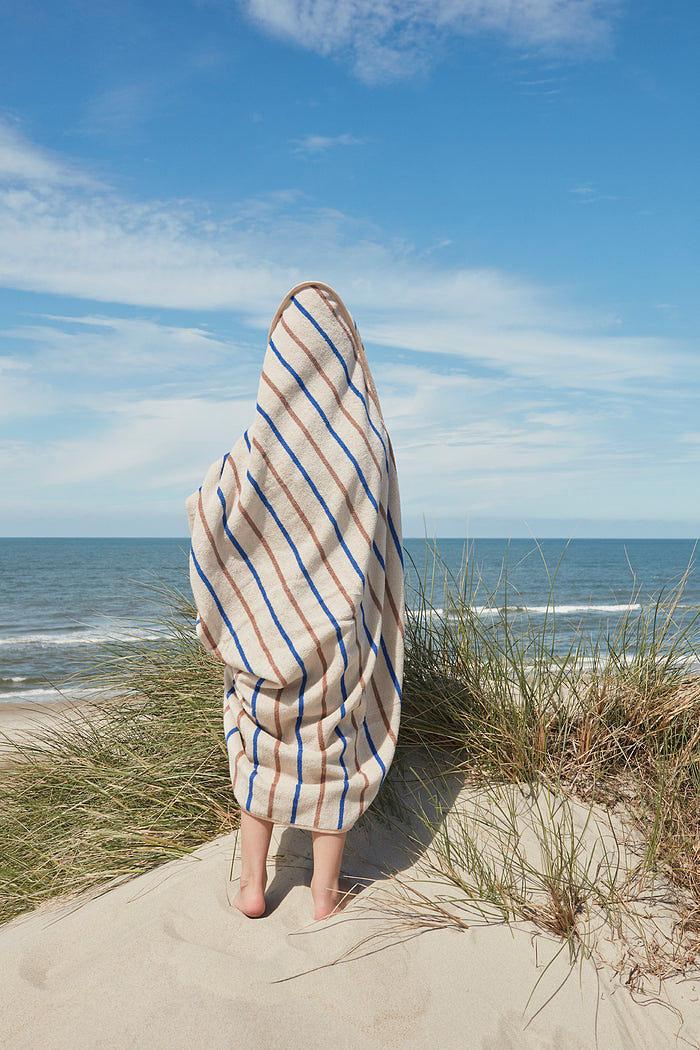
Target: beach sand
{"points": [[25, 722], [164, 961]]}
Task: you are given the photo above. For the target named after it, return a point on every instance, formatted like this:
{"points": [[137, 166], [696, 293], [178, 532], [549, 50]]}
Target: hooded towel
{"points": [[296, 568]]}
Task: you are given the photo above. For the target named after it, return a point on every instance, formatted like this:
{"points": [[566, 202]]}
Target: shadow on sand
{"points": [[389, 839]]}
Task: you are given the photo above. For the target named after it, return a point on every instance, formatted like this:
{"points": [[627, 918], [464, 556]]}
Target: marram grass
{"points": [[611, 721], [127, 785]]}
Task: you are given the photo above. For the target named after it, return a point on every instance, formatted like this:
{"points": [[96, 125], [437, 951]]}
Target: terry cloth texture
{"points": [[296, 568]]}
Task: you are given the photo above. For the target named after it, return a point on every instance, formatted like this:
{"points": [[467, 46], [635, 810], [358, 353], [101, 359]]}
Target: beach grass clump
{"points": [[117, 787], [505, 853], [612, 719]]}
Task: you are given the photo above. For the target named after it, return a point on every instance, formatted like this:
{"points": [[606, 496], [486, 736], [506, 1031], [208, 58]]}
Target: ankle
{"points": [[324, 884], [253, 880]]}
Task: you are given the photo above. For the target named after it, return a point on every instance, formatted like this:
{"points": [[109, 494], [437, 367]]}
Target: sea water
{"points": [[64, 599]]}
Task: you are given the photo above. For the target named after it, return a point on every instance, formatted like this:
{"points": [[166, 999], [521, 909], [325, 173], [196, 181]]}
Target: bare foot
{"points": [[250, 899], [327, 899]]}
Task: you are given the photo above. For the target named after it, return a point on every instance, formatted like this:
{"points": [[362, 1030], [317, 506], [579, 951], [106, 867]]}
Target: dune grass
{"points": [[125, 784], [610, 723]]}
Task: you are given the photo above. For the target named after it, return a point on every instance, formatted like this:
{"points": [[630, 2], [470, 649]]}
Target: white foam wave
{"points": [[538, 610], [47, 694], [66, 638], [567, 610]]}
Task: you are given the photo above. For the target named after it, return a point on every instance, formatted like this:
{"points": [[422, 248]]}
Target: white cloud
{"points": [[498, 394], [119, 109], [392, 38], [94, 244], [587, 194], [98, 346], [311, 145]]}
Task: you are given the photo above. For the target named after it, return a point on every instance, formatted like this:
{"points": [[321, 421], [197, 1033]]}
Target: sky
{"points": [[504, 192]]}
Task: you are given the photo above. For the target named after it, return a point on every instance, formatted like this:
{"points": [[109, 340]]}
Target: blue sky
{"points": [[504, 192]]}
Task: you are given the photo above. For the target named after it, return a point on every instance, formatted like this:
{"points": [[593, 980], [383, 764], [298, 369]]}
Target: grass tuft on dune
{"points": [[122, 785]]}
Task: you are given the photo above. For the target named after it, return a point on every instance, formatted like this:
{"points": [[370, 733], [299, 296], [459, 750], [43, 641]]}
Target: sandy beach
{"points": [[165, 961]]}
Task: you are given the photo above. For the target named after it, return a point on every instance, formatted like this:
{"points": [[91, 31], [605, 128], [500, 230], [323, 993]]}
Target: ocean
{"points": [[62, 599]]}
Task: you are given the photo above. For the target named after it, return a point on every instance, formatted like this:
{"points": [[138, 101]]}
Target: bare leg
{"points": [[328, 853], [255, 842]]}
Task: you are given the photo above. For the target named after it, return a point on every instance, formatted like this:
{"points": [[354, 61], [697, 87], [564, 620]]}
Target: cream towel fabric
{"points": [[296, 568]]}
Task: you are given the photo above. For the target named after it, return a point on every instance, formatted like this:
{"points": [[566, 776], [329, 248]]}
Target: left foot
{"points": [[250, 900]]}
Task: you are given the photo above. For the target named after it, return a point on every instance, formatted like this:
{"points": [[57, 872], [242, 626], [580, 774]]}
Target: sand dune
{"points": [[164, 961]]}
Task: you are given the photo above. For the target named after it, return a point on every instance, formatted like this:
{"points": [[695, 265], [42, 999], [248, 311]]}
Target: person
{"points": [[297, 573]]}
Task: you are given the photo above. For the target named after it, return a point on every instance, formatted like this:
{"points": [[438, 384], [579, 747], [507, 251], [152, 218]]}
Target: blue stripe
{"points": [[373, 748], [324, 417], [395, 535], [343, 688], [268, 506], [370, 639], [342, 444], [315, 491], [340, 357], [220, 607], [346, 784], [223, 464], [391, 667], [246, 439], [378, 555], [290, 645], [230, 733], [256, 734]]}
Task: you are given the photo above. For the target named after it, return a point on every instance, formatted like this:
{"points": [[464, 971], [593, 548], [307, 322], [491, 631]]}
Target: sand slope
{"points": [[164, 961]]}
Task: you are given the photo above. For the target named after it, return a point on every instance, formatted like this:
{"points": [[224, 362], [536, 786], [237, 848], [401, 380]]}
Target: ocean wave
{"points": [[566, 610], [537, 610], [49, 694], [66, 638]]}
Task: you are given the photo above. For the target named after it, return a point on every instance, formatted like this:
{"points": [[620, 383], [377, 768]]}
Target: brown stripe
{"points": [[360, 431], [307, 523], [343, 490], [307, 434], [369, 387], [285, 586], [382, 712], [312, 633], [331, 571], [241, 750], [210, 639], [353, 422], [237, 590]]}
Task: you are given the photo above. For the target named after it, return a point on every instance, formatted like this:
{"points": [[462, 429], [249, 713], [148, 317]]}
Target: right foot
{"points": [[250, 900], [326, 900]]}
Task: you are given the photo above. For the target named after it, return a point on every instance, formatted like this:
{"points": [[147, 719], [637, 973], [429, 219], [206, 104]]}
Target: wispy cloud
{"points": [[178, 254], [23, 162], [587, 194], [498, 392], [311, 145], [119, 109], [396, 38]]}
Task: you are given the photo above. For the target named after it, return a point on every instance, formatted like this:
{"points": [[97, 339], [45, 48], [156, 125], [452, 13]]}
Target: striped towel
{"points": [[297, 573]]}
